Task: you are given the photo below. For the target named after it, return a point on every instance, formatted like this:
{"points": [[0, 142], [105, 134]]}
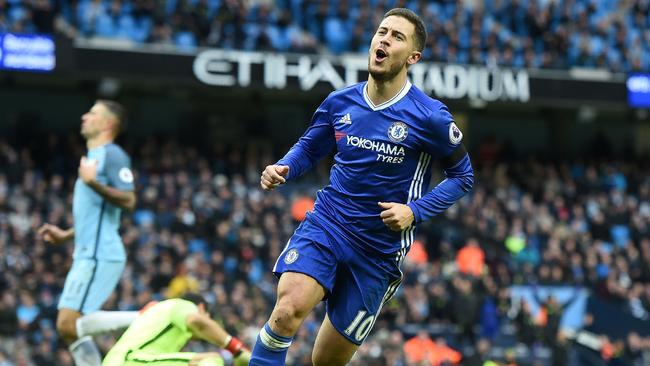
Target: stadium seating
{"points": [[203, 223], [608, 34]]}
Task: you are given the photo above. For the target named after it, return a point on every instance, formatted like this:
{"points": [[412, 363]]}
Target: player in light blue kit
{"points": [[103, 189], [348, 251]]}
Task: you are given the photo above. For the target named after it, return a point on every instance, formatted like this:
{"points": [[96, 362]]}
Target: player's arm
{"points": [[314, 144], [459, 179], [120, 188], [54, 234], [122, 199], [205, 328]]}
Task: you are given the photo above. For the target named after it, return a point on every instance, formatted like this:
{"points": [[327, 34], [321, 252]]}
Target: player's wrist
{"points": [[235, 346], [411, 215], [415, 212]]}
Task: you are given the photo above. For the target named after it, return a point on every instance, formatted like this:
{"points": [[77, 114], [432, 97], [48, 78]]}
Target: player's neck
{"points": [[99, 140], [380, 91]]}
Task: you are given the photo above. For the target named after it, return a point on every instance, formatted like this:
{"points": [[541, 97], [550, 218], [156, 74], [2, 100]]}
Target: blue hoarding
{"points": [[638, 90], [27, 52]]}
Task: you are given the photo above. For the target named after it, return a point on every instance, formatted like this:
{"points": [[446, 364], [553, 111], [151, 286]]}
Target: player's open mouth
{"points": [[380, 55]]}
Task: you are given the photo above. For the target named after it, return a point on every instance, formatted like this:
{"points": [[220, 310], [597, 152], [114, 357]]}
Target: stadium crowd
{"points": [[609, 34], [202, 223]]}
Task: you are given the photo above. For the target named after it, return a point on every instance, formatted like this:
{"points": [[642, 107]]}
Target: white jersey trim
{"points": [[405, 89], [415, 192]]}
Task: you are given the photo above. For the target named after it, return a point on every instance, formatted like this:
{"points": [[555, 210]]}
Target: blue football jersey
{"points": [[96, 221], [383, 154]]}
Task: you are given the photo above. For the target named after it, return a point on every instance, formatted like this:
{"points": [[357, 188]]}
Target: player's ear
{"points": [[414, 57]]}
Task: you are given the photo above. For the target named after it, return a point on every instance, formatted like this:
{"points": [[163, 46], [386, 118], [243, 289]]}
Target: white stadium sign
{"points": [[236, 68]]}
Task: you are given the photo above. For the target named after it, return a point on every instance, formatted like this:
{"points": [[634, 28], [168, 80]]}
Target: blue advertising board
{"points": [[638, 90], [27, 52]]}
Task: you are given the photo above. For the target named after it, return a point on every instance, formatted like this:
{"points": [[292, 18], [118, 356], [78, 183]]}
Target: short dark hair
{"points": [[420, 31], [194, 298], [117, 110]]}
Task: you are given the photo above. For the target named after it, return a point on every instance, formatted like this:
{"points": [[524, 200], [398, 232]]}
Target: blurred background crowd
{"points": [[202, 223], [611, 34], [545, 262]]}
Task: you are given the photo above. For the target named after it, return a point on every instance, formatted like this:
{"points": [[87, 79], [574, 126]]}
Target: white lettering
{"points": [[355, 322], [208, 69], [324, 71], [489, 84], [364, 328], [235, 68], [27, 44], [377, 146], [275, 72], [639, 84], [390, 159], [455, 81]]}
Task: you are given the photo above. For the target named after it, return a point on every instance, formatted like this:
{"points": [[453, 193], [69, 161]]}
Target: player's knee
{"points": [[66, 327], [287, 316]]}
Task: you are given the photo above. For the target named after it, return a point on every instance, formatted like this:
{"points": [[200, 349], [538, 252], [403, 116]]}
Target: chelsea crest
{"points": [[398, 131]]}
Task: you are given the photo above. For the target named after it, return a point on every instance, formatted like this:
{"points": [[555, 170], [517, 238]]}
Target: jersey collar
{"points": [[405, 89]]}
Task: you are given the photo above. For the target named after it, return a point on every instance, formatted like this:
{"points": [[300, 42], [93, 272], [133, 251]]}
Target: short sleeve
{"points": [[118, 169], [446, 135], [182, 308]]}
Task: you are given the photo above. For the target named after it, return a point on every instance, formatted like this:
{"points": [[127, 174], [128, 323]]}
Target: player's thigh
{"points": [[298, 293], [306, 268], [329, 339], [106, 277]]}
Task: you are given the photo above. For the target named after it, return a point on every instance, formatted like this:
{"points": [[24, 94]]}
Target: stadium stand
{"points": [[204, 224], [608, 34], [545, 262]]}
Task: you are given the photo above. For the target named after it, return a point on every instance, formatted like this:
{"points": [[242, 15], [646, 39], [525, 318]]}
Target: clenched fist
{"points": [[396, 216], [273, 176]]}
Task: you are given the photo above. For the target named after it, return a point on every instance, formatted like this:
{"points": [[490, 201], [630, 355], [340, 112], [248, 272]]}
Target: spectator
{"points": [[422, 349], [203, 217], [471, 259], [536, 34]]}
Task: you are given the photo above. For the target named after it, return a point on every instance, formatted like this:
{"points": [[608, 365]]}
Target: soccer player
{"points": [[157, 336], [103, 189], [349, 249]]}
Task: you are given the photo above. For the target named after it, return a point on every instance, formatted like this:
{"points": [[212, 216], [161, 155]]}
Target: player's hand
{"points": [[243, 359], [198, 359], [396, 216], [273, 176], [87, 169], [53, 234]]}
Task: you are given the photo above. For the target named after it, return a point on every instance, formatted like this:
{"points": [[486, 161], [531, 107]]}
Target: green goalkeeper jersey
{"points": [[160, 329]]}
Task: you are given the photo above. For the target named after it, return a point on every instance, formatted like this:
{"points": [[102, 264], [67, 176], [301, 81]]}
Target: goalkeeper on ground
{"points": [[162, 330]]}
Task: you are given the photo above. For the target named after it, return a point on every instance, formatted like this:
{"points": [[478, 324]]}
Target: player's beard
{"points": [[88, 133], [391, 73]]}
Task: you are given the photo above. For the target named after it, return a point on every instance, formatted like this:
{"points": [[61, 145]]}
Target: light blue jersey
{"points": [[96, 221]]}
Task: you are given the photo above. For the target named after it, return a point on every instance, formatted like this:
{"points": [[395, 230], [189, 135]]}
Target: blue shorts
{"points": [[89, 283], [358, 282]]}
